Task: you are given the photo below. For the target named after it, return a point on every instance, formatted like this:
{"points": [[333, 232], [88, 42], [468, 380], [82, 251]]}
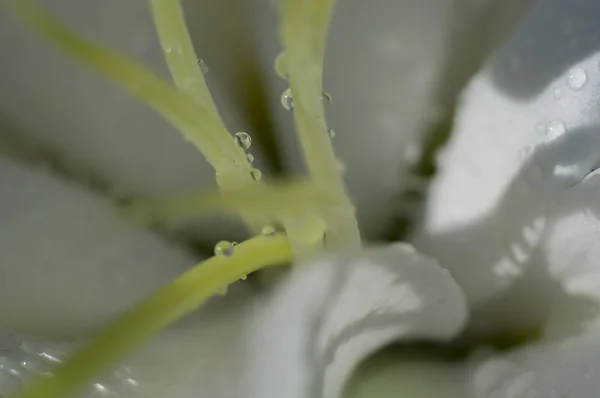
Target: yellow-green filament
{"points": [[180, 297], [275, 201], [303, 33], [179, 51], [198, 122]]}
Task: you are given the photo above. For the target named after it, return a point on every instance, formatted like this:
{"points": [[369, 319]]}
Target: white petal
{"points": [[546, 370], [305, 338], [334, 312], [526, 131], [392, 70], [68, 262]]}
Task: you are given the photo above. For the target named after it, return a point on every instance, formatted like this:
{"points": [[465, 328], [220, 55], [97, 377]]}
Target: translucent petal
{"points": [[68, 262]]}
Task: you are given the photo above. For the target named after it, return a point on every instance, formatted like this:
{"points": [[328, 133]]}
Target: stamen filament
{"points": [[179, 51], [198, 122], [272, 201], [180, 297], [303, 34]]}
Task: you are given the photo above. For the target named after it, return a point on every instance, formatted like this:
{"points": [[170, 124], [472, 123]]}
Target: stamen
{"points": [[180, 297], [303, 32], [194, 115], [256, 202]]}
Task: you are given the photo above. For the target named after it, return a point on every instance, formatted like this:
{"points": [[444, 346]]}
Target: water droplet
{"points": [[203, 67], [555, 129], [576, 78], [243, 140], [286, 100], [331, 133], [558, 93], [168, 50], [244, 277], [268, 230], [234, 243], [224, 248], [250, 157], [525, 152], [541, 126], [520, 385], [326, 97], [256, 174], [222, 291], [281, 65]]}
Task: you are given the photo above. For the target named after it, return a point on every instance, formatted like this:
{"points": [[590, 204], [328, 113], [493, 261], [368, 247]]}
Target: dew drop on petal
{"points": [[558, 93], [331, 133], [256, 174], [244, 277], [576, 78], [525, 152], [250, 157], [203, 67], [540, 126], [555, 129], [234, 243], [224, 248], [281, 65], [268, 230], [243, 140], [326, 97], [286, 100], [168, 50]]}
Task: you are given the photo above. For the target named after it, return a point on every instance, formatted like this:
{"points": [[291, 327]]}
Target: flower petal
{"points": [[302, 340], [546, 370], [512, 154], [68, 262], [331, 314], [393, 71]]}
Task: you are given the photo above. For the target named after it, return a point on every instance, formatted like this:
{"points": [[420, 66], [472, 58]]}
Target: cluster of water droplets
{"points": [[203, 67], [35, 359], [244, 141]]}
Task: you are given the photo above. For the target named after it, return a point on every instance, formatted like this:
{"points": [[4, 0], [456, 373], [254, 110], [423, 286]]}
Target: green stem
{"points": [[180, 297]]}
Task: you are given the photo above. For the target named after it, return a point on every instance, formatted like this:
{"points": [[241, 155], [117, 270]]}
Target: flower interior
{"points": [[289, 219]]}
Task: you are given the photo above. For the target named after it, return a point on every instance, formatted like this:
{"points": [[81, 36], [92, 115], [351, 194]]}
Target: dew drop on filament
{"points": [[203, 67], [224, 248], [243, 140], [256, 174], [268, 230], [286, 100], [281, 65]]}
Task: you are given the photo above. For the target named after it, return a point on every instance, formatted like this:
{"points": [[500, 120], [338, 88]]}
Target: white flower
{"points": [[511, 213]]}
